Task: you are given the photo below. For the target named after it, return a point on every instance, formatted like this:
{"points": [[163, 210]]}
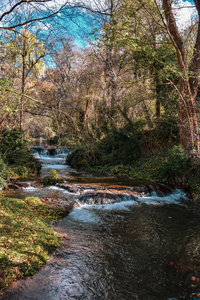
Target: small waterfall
{"points": [[50, 155], [49, 151], [115, 196]]}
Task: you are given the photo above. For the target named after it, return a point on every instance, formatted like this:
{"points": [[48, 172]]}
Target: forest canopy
{"points": [[79, 70]]}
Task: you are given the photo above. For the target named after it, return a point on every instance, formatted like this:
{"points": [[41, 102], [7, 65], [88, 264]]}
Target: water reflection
{"points": [[146, 250], [135, 254]]}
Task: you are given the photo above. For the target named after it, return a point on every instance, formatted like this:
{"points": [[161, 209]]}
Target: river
{"points": [[142, 249]]}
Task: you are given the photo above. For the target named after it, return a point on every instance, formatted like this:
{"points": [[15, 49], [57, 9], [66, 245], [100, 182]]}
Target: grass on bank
{"points": [[26, 239], [169, 164]]}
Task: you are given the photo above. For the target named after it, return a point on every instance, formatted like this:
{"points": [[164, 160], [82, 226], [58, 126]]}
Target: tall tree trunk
{"points": [[85, 115], [157, 83], [157, 107], [23, 82], [147, 115], [110, 64], [188, 126], [156, 79]]}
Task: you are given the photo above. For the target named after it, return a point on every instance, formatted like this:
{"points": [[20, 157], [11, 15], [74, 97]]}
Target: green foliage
{"points": [[54, 140], [16, 156], [23, 162], [49, 180], [54, 174], [119, 146], [143, 169], [52, 179], [171, 166], [47, 213], [9, 99], [167, 127], [11, 140], [26, 240], [79, 158], [26, 51], [176, 166]]}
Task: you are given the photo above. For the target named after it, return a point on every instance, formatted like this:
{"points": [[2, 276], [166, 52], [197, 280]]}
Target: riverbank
{"points": [[160, 234], [170, 166], [151, 234], [26, 238]]}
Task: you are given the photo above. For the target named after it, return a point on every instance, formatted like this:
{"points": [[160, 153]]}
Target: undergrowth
{"points": [[171, 166], [154, 155], [16, 160], [26, 240], [52, 179]]}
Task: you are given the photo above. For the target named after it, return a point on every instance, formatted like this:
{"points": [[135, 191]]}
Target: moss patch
{"points": [[26, 240]]}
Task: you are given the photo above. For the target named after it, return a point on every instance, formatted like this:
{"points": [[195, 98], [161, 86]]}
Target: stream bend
{"points": [[120, 241]]}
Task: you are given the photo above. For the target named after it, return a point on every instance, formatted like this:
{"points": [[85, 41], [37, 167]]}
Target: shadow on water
{"points": [[144, 250]]}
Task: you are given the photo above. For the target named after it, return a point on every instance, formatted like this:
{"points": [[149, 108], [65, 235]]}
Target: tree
{"points": [[12, 14], [189, 80], [115, 62], [140, 34], [26, 52]]}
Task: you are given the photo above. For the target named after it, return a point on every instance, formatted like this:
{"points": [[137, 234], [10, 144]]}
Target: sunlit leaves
{"points": [[26, 49], [25, 239]]}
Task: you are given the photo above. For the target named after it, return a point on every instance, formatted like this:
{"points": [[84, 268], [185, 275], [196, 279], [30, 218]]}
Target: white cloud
{"points": [[184, 12]]}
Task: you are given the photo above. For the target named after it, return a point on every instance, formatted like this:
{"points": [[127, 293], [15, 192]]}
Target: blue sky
{"points": [[81, 26]]}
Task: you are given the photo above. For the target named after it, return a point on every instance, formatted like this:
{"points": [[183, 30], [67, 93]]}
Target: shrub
{"points": [[119, 146], [52, 179], [23, 161], [77, 158], [11, 140], [54, 140], [167, 127], [54, 174], [15, 154], [177, 165]]}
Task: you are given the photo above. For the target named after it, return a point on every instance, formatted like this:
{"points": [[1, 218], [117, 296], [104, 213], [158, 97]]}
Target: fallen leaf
{"points": [[111, 273], [198, 294], [193, 278]]}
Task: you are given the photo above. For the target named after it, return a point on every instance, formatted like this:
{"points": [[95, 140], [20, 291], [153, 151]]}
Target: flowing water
{"points": [[138, 248]]}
